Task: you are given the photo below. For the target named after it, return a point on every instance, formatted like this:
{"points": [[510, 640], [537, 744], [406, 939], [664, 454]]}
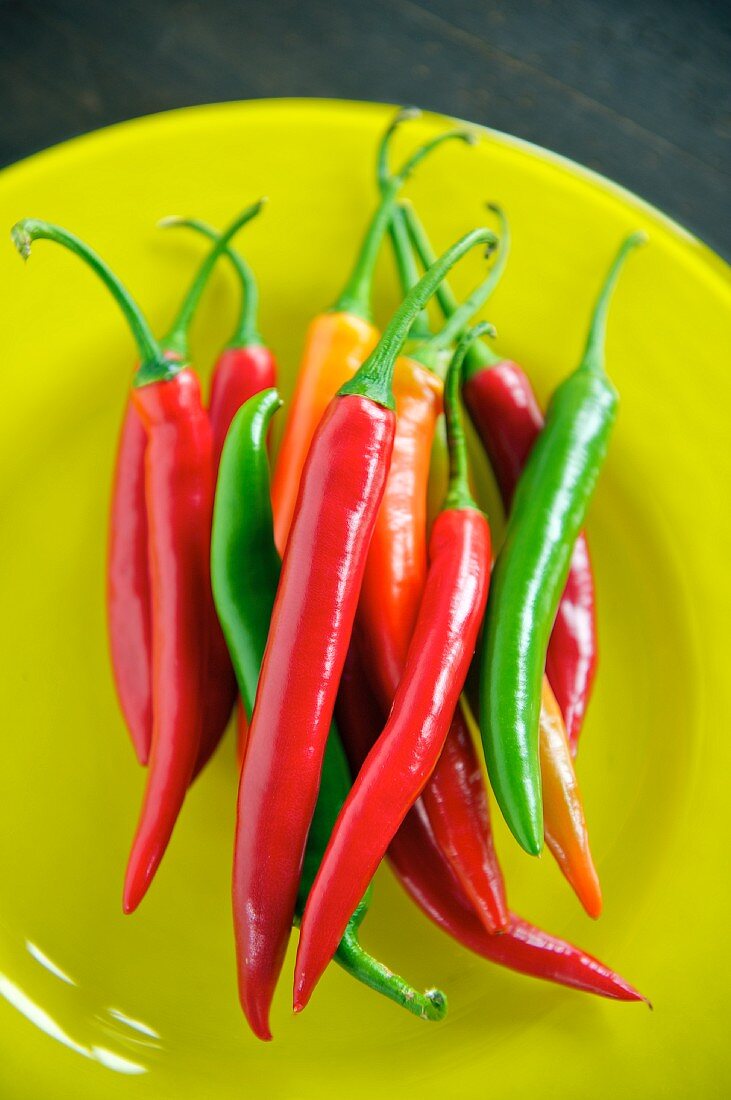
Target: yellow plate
{"points": [[89, 997]]}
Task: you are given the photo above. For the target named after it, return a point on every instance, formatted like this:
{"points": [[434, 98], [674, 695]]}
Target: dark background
{"points": [[637, 89]]}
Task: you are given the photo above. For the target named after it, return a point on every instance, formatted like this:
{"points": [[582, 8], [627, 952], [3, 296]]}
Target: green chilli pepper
{"points": [[530, 573], [245, 570], [245, 564]]}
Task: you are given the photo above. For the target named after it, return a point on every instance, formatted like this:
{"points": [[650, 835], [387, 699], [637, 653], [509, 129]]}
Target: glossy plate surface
{"points": [[97, 1005]]}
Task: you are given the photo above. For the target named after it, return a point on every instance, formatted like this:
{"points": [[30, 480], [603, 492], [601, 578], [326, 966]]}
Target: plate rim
{"points": [[697, 258], [717, 266]]}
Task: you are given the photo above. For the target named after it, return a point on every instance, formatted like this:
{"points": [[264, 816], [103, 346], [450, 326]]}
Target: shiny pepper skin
{"points": [[424, 873], [239, 373], [454, 796], [128, 585], [340, 492], [396, 569], [563, 810], [243, 532], [507, 416], [548, 512], [179, 498], [335, 346], [404, 756], [456, 804]]}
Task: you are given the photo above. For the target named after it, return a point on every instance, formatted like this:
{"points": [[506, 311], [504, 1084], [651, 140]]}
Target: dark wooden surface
{"points": [[638, 89]]}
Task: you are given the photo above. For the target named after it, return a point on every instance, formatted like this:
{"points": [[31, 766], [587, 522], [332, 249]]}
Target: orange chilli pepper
{"points": [[337, 343], [335, 346], [564, 825], [454, 797], [396, 568]]}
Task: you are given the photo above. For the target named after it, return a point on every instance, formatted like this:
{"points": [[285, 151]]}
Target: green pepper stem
{"points": [[167, 370], [31, 229], [404, 114], [177, 336], [458, 492], [408, 272], [246, 333], [356, 296], [425, 251], [593, 357], [480, 355], [375, 376], [431, 1005], [459, 321]]}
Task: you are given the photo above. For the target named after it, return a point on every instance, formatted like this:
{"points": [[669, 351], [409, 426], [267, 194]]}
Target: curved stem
{"points": [[424, 250], [458, 493], [593, 358], [146, 375], [408, 271], [480, 355], [177, 336], [356, 295], [460, 319], [404, 114], [374, 378], [431, 1005], [31, 229], [246, 333]]}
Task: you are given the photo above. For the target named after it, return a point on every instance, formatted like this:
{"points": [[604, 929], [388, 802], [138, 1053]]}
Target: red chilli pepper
{"points": [[426, 876], [241, 371], [522, 947], [177, 494], [393, 584], [404, 756], [455, 796], [339, 494], [128, 580], [456, 804], [129, 618], [245, 367], [179, 505]]}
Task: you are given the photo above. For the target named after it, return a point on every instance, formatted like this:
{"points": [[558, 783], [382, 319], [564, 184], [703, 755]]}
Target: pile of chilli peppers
{"points": [[348, 608]]}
